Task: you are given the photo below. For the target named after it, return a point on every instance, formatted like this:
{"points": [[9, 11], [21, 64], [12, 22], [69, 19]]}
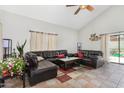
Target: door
{"points": [[121, 48], [113, 48], [116, 48]]}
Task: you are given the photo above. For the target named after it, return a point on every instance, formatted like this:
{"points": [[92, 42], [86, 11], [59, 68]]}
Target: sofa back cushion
{"points": [[53, 53], [85, 52], [88, 53], [38, 53], [50, 53]]}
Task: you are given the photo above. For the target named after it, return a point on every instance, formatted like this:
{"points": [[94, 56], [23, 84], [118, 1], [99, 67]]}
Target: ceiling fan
{"points": [[88, 7]]}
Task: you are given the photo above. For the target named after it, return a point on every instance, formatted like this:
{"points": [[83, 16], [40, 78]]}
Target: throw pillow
{"points": [[61, 56], [39, 58], [80, 55]]}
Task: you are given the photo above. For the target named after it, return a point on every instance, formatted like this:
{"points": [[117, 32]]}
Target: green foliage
{"points": [[12, 65], [20, 48]]}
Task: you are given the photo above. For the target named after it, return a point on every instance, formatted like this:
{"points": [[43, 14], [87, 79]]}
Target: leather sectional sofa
{"points": [[46, 69]]}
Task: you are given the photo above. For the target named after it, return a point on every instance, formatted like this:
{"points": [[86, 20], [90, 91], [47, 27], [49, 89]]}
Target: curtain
{"points": [[42, 41], [51, 42], [1, 50], [104, 45], [32, 41], [39, 41], [36, 41], [45, 41]]}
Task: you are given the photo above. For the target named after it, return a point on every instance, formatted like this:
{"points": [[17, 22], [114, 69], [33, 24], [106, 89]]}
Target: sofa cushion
{"points": [[52, 59], [42, 66], [45, 64]]}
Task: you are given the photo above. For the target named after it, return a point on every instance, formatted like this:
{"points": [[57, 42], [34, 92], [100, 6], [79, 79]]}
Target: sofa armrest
{"points": [[100, 61]]}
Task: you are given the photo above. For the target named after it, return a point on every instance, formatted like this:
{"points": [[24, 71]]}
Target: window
{"points": [[42, 41]]}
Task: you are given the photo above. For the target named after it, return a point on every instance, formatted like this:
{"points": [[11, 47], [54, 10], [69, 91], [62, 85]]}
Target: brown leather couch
{"points": [[39, 71]]}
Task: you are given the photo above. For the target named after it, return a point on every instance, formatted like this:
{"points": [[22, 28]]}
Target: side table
{"points": [[2, 80]]}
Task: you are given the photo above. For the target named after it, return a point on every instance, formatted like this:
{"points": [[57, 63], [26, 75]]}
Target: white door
{"points": [[1, 51]]}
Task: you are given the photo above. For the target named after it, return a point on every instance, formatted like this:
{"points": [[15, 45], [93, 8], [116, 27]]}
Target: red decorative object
{"points": [[61, 56], [80, 55], [64, 78]]}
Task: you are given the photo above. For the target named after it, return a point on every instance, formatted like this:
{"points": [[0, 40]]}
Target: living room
{"points": [[65, 33]]}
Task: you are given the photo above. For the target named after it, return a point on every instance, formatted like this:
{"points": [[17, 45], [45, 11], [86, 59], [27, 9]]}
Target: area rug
{"points": [[67, 71], [64, 78]]}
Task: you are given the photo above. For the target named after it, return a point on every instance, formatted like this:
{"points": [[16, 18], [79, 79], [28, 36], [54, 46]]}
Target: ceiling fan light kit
{"points": [[88, 7], [83, 6]]}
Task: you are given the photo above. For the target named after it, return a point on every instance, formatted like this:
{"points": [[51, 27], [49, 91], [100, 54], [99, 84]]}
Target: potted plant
{"points": [[11, 66], [20, 48]]}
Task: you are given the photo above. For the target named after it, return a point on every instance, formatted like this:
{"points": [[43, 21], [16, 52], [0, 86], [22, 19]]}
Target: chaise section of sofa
{"points": [[39, 71]]}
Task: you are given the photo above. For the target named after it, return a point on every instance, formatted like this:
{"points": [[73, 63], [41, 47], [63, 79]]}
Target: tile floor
{"points": [[109, 76]]}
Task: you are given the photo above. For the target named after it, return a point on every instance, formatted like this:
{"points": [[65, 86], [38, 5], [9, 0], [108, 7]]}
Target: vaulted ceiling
{"points": [[57, 14]]}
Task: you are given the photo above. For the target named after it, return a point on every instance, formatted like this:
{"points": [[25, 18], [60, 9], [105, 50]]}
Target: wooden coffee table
{"points": [[68, 60]]}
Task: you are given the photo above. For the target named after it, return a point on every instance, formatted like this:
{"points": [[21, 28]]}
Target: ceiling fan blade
{"points": [[77, 11], [70, 5], [90, 8]]}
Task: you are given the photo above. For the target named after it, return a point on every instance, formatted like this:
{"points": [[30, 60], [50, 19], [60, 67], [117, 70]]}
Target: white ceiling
{"points": [[57, 14]]}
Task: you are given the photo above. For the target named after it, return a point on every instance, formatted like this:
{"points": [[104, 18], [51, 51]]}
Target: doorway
{"points": [[116, 48]]}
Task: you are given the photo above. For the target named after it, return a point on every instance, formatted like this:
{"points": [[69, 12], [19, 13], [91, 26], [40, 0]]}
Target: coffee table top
{"points": [[68, 59]]}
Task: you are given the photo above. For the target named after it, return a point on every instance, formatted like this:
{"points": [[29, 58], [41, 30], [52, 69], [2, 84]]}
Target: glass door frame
{"points": [[119, 47]]}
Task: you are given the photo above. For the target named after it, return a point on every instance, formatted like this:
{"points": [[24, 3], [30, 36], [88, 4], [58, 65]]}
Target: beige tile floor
{"points": [[109, 76]]}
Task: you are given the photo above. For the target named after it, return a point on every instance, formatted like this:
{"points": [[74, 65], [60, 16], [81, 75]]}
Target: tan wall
{"points": [[1, 52]]}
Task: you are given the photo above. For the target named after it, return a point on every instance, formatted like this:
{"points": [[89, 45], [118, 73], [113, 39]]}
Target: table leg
{"points": [[65, 66], [23, 77], [1, 82]]}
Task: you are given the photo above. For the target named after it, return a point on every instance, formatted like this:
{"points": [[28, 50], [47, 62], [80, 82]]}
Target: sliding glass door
{"points": [[116, 48], [121, 45], [113, 48]]}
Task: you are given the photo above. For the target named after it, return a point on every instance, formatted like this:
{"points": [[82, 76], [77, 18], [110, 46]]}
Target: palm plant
{"points": [[20, 48]]}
